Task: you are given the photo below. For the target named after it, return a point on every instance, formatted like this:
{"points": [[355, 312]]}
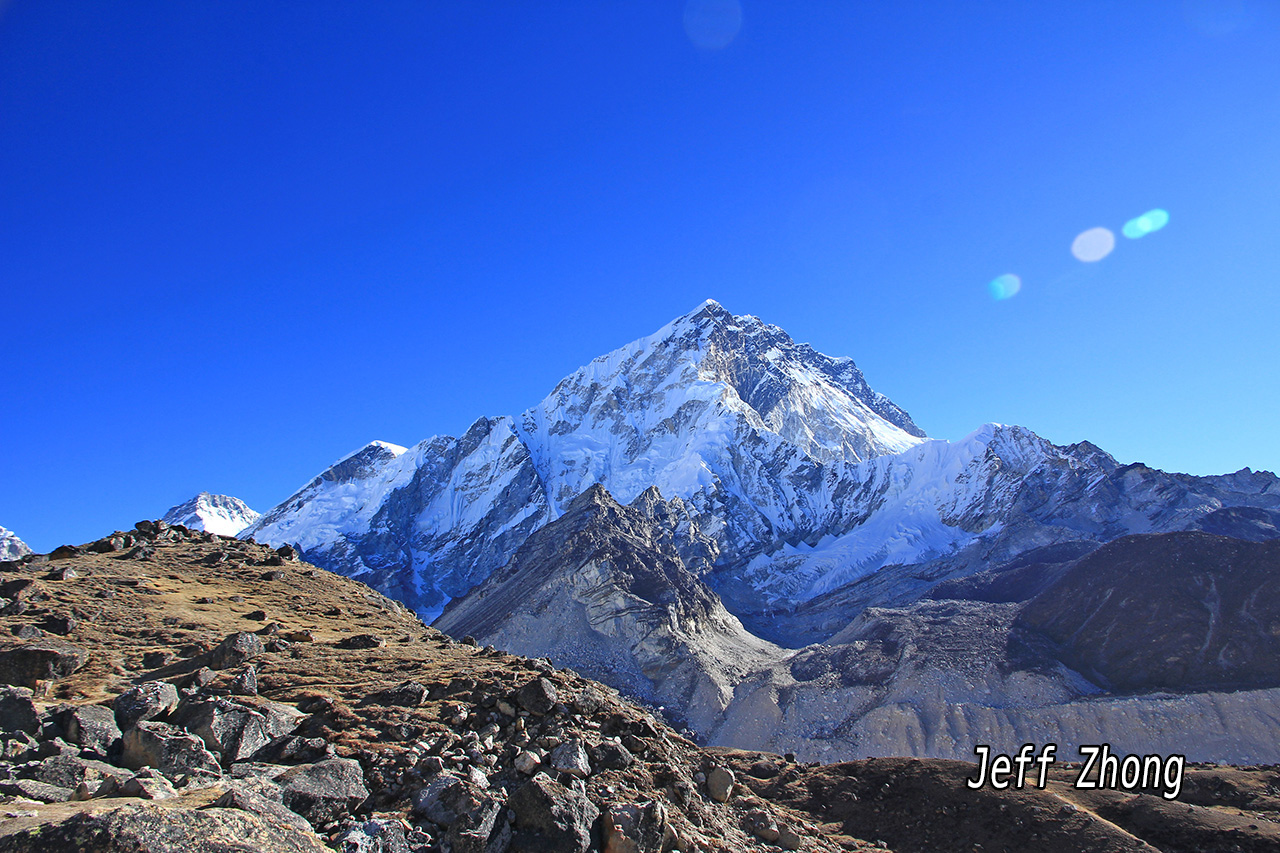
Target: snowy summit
{"points": [[11, 547], [220, 514]]}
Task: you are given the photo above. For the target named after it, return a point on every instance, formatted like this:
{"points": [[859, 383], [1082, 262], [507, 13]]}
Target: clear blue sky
{"points": [[238, 240]]}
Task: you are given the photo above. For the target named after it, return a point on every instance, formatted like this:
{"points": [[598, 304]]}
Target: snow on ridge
{"points": [[220, 514], [11, 547]]}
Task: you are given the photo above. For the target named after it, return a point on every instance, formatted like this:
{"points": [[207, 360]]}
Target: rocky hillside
{"points": [[1155, 643], [604, 588], [168, 690]]}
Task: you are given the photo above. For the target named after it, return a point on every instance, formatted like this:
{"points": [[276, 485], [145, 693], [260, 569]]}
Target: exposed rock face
{"points": [[604, 590], [156, 829], [1152, 643], [1186, 611], [11, 547], [46, 659], [220, 514], [1063, 644]]}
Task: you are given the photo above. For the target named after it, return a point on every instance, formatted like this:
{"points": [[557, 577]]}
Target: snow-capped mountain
{"points": [[805, 479], [11, 547], [220, 514]]}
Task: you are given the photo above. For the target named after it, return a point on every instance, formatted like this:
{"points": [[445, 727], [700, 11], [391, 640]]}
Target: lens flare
{"points": [[1093, 245], [1141, 226], [712, 24], [1005, 286]]}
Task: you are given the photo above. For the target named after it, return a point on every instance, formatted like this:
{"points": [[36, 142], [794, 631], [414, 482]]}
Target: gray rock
{"points": [[167, 748], [571, 757], [47, 659], [281, 719], [242, 797], [323, 791], [246, 683], [467, 812], [147, 701], [18, 710], [550, 818], [18, 746], [634, 828], [762, 825], [788, 839], [148, 784], [155, 829], [229, 729], [67, 771], [373, 836], [200, 678], [235, 650], [92, 727], [720, 784], [537, 697], [612, 756], [34, 789], [444, 798], [292, 749], [362, 641], [410, 694], [527, 763]]}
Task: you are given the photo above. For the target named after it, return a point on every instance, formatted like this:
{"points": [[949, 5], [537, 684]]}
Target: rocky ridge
{"points": [[168, 687]]}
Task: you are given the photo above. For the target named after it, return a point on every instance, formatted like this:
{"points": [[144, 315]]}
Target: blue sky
{"points": [[238, 240]]}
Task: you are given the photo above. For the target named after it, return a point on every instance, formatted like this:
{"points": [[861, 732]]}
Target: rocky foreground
{"points": [[171, 690]]}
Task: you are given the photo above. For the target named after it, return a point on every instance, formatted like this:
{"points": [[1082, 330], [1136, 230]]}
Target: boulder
{"points": [[527, 762], [612, 756], [231, 730], [571, 757], [18, 710], [373, 836], [146, 701], [362, 641], [34, 789], [551, 818], [246, 683], [148, 784], [410, 694], [46, 659], [446, 797], [720, 784], [634, 828], [323, 791], [157, 829], [537, 697], [242, 797], [467, 812], [292, 749], [69, 771], [91, 727], [167, 748], [235, 650]]}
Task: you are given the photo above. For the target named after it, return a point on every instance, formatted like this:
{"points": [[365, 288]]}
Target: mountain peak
{"points": [[220, 514], [11, 547]]}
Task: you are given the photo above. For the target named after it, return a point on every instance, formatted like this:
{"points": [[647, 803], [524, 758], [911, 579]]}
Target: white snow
{"points": [[220, 514]]}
